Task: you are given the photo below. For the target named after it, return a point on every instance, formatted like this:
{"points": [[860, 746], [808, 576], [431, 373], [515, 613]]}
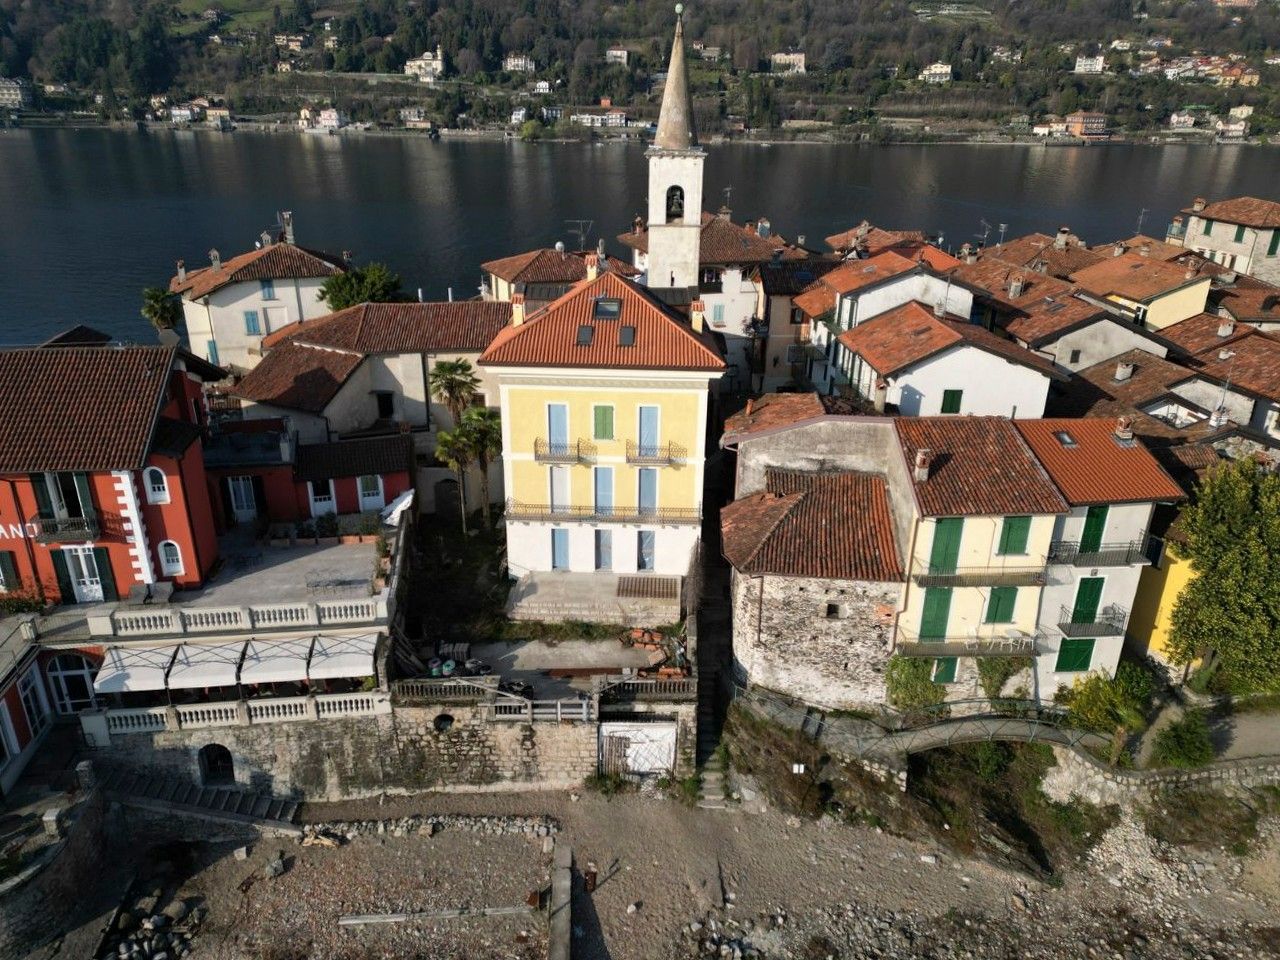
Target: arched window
{"points": [[217, 768], [675, 204], [170, 559], [71, 680], [156, 484]]}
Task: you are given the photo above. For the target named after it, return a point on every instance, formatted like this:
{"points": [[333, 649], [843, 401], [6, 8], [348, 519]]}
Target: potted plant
{"points": [[347, 530], [369, 526], [379, 577], [383, 550], [282, 535], [327, 530]]}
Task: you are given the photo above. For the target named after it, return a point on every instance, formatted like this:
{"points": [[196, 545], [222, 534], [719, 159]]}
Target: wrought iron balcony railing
{"points": [[58, 529], [553, 512], [989, 640], [1121, 554], [1027, 573], [1107, 622], [654, 454], [567, 451]]}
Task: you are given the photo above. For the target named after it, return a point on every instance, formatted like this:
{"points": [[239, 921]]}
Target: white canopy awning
{"points": [[343, 658], [391, 512], [275, 661], [132, 671], [205, 665]]}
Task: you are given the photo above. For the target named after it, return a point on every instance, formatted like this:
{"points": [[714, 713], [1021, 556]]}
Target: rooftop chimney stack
{"points": [[1124, 371], [517, 309], [1191, 273], [1226, 327], [940, 309], [1016, 286], [1117, 250], [763, 227], [800, 240], [215, 259], [1124, 429], [1060, 241], [600, 250], [1197, 205], [881, 396], [593, 265], [1144, 250], [697, 315], [287, 219], [924, 459], [182, 270]]}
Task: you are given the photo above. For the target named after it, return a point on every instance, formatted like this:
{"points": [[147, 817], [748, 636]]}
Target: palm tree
{"points": [[455, 449], [454, 383], [162, 308], [483, 429]]}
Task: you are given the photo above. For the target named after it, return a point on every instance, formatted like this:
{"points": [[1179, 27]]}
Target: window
{"points": [[371, 495], [604, 549], [386, 401], [627, 336], [1000, 605], [6, 751], [648, 494], [603, 423], [951, 400], [645, 549], [944, 670], [1239, 234], [9, 579], [586, 333], [603, 488], [71, 680], [1208, 228], [170, 559], [321, 494], [156, 484], [33, 701], [1074, 656], [560, 549], [1013, 535], [675, 204], [252, 328], [717, 313], [268, 289], [1064, 438], [607, 308], [1274, 246], [1075, 357], [211, 351]]}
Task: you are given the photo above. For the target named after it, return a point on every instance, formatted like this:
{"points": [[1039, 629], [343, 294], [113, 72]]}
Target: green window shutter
{"points": [[9, 581], [946, 544], [951, 400], [1274, 246], [85, 494], [44, 505], [1088, 596], [1000, 606], [1239, 234], [1208, 228], [1095, 523], [66, 590], [604, 423], [937, 610], [944, 670], [1013, 535], [1074, 656], [105, 574]]}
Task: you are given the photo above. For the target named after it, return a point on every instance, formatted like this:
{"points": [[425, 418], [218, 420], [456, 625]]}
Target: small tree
{"points": [[909, 683], [483, 429], [455, 384], [1184, 743], [160, 308], [455, 449], [1105, 705], [373, 283]]}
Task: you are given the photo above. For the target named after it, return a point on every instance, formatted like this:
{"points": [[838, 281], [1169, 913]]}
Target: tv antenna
{"points": [[728, 194], [1141, 217], [986, 231], [1003, 228], [581, 229]]}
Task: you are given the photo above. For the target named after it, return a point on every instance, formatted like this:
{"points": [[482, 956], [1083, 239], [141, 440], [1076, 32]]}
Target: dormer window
{"points": [[608, 308]]}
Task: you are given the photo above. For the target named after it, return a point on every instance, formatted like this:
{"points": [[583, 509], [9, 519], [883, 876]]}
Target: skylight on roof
{"points": [[626, 336], [585, 333], [1064, 438], [608, 308]]}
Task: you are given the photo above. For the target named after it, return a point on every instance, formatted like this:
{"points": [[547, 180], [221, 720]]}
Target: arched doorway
{"points": [[217, 769]]}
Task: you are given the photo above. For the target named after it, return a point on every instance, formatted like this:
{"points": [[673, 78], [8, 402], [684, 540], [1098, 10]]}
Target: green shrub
{"points": [[1184, 743], [909, 683], [1105, 705], [326, 525], [994, 673]]}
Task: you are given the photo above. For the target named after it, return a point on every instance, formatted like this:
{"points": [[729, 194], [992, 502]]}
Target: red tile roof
{"points": [[550, 266], [1156, 249], [1044, 310], [829, 526], [1135, 277], [362, 457], [551, 336], [872, 238], [776, 411], [298, 377], [280, 261], [1251, 304], [980, 466], [1203, 333], [787, 278], [1249, 211], [463, 325], [1254, 360], [900, 338], [1040, 248], [80, 408], [724, 242], [848, 277], [1096, 466]]}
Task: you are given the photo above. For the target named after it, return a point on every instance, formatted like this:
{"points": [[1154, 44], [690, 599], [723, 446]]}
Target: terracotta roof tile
{"points": [[549, 266], [1134, 277], [1254, 360], [1249, 211], [1045, 308], [1204, 333], [354, 458], [80, 408], [298, 377], [980, 466], [787, 278], [1036, 248], [552, 337], [1250, 304], [724, 242], [872, 238], [818, 300], [280, 261], [461, 325], [856, 274], [777, 411], [1096, 466], [1156, 249], [779, 531]]}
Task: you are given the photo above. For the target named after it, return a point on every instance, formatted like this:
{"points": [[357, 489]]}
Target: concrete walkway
{"points": [[1235, 736]]}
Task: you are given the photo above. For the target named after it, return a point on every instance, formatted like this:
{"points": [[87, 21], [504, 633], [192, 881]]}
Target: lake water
{"points": [[90, 217]]}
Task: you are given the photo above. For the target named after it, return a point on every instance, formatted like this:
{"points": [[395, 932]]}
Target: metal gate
{"points": [[631, 748]]}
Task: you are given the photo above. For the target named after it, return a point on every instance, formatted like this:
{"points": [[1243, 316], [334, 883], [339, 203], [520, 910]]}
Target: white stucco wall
{"points": [[220, 317], [529, 547], [992, 385], [673, 247], [1097, 342]]}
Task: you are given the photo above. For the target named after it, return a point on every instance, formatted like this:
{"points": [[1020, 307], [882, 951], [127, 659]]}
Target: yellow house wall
{"points": [[1177, 306], [1158, 590]]}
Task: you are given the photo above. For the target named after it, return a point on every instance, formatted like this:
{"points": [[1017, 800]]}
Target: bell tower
{"points": [[675, 184]]}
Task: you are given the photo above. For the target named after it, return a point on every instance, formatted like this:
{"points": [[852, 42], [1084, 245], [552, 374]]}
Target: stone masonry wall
{"points": [[784, 639], [1076, 775], [399, 752]]}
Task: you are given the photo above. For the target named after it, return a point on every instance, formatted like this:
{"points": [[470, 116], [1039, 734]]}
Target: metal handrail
{"points": [[1107, 622], [1030, 571], [655, 453], [552, 512], [1116, 554], [567, 451], [66, 528]]}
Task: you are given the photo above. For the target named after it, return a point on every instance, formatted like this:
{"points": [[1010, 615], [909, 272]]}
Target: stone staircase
{"points": [[161, 794]]}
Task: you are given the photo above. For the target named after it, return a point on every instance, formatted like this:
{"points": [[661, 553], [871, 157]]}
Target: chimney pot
{"points": [[1191, 273], [182, 270], [517, 309], [593, 265], [1226, 327], [1124, 371], [215, 259], [924, 460], [940, 309], [1124, 431], [1198, 204], [1117, 250], [1060, 241], [287, 219], [800, 240], [697, 315], [1016, 286], [600, 249], [882, 395], [1145, 250]]}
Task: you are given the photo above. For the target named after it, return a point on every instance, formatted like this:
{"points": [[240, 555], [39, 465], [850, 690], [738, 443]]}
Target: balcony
{"points": [[568, 451], [546, 512], [1026, 574], [654, 454], [711, 286], [984, 641], [66, 529], [1104, 555], [1108, 622]]}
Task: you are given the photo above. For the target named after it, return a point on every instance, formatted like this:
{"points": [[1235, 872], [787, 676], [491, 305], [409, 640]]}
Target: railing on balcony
{"points": [[56, 529], [630, 689], [657, 454], [445, 689], [567, 451], [174, 620], [527, 711], [710, 286], [1027, 573], [1119, 554], [229, 713], [1176, 230], [553, 512], [985, 641], [1107, 622]]}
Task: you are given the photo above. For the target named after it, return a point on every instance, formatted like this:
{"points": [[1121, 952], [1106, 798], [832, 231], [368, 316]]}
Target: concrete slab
{"points": [[559, 596], [532, 660], [256, 574]]}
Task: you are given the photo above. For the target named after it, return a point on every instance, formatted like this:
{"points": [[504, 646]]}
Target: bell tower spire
{"points": [[675, 184]]}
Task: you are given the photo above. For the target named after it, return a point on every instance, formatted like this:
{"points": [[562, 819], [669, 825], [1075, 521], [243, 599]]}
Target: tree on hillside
{"points": [[160, 308], [374, 283], [1231, 609], [454, 383]]}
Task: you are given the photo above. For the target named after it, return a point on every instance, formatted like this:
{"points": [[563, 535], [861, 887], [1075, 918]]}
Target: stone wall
{"points": [[784, 639], [1078, 775], [39, 903], [413, 748]]}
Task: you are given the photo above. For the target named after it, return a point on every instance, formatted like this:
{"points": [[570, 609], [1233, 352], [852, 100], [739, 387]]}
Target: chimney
{"points": [[215, 259], [1218, 417], [1144, 250], [517, 309], [593, 266], [724, 213], [1197, 204], [287, 219], [1226, 327], [763, 226], [1016, 286], [924, 459], [182, 270], [881, 396], [1117, 250], [347, 257], [1191, 272], [697, 312], [1124, 430], [637, 225], [1124, 371], [1060, 241], [940, 309], [600, 250], [800, 240]]}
